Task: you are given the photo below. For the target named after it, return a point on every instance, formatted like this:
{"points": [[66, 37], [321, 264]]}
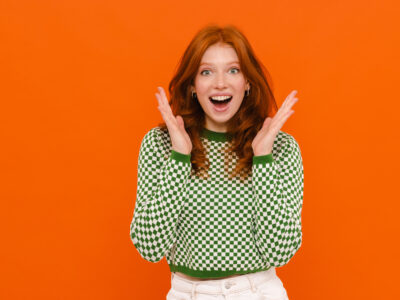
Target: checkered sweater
{"points": [[219, 226]]}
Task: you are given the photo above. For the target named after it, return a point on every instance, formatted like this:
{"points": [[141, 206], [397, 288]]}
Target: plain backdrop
{"points": [[77, 88]]}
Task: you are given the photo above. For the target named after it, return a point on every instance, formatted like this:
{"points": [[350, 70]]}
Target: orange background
{"points": [[78, 80]]}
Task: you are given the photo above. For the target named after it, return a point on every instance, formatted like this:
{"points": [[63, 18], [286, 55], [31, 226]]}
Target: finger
{"points": [[292, 94], [267, 121], [165, 99], [281, 111], [163, 102], [158, 98], [169, 120], [161, 106], [282, 120], [291, 103], [287, 104], [161, 95], [179, 120], [166, 110], [289, 98], [266, 124], [285, 107], [167, 116], [164, 96]]}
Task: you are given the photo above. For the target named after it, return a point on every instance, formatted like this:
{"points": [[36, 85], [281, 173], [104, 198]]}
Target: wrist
{"points": [[181, 152], [260, 153]]}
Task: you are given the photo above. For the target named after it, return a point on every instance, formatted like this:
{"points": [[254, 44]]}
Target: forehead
{"points": [[219, 54]]}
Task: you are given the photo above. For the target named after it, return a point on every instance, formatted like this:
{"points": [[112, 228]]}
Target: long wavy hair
{"points": [[245, 124]]}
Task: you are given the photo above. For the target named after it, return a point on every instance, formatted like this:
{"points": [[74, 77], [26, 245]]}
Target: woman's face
{"points": [[219, 74]]}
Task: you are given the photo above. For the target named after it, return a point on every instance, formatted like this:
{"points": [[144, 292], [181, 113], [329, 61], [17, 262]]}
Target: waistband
{"points": [[222, 286]]}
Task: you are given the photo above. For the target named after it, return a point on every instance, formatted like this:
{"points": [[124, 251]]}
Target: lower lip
{"points": [[222, 108]]}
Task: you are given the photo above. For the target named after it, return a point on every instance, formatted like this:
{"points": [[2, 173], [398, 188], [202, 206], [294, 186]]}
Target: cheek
{"points": [[240, 84], [202, 87]]}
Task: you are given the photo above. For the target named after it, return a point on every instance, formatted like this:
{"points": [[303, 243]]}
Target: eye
{"points": [[204, 71], [236, 69]]}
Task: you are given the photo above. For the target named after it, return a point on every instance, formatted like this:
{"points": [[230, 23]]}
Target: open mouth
{"points": [[221, 105], [220, 102]]}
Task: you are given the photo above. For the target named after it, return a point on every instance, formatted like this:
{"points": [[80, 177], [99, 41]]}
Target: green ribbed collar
{"points": [[216, 136]]}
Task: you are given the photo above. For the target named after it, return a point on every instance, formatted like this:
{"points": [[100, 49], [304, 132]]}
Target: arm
{"points": [[278, 189], [160, 196]]}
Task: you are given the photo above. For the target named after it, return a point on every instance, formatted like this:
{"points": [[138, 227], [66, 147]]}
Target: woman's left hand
{"points": [[264, 140]]}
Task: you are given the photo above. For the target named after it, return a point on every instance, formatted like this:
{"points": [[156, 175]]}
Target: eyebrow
{"points": [[229, 63]]}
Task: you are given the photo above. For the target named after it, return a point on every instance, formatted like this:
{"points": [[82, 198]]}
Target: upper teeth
{"points": [[220, 97]]}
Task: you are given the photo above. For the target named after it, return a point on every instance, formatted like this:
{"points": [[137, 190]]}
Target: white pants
{"points": [[264, 285]]}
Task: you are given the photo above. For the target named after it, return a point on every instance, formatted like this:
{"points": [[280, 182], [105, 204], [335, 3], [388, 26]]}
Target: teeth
{"points": [[220, 98]]}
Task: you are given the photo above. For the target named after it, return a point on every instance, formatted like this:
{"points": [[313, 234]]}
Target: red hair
{"points": [[246, 123]]}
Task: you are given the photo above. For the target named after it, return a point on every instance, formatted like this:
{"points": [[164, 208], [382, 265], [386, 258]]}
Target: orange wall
{"points": [[78, 80]]}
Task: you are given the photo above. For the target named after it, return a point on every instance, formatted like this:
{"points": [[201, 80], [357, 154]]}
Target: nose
{"points": [[220, 81]]}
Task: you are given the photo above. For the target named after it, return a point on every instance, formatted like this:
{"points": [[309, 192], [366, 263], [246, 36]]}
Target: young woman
{"points": [[220, 186]]}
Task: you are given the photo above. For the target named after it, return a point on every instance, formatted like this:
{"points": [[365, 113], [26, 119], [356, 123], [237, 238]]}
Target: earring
{"points": [[247, 92], [194, 95]]}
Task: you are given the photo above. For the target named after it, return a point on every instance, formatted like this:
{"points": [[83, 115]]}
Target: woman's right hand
{"points": [[179, 137]]}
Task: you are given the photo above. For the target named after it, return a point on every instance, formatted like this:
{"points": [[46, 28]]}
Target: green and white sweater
{"points": [[219, 226]]}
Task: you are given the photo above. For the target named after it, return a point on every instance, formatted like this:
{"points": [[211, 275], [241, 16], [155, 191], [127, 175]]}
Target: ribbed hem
{"points": [[180, 156], [212, 273], [262, 159]]}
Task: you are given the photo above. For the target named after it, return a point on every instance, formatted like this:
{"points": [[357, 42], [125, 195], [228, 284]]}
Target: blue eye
{"points": [[237, 69]]}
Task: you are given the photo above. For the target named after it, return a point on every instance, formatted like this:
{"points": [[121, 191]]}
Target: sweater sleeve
{"points": [[161, 189], [278, 189]]}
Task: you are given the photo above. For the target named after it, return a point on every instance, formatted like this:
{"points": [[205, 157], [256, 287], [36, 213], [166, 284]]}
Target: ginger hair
{"points": [[246, 123]]}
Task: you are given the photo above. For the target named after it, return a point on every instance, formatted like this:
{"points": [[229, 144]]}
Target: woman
{"points": [[220, 187]]}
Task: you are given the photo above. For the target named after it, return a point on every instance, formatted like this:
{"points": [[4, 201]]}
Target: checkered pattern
{"points": [[219, 226], [278, 190]]}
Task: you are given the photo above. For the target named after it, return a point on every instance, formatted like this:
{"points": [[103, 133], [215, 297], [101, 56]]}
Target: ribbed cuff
{"points": [[262, 159], [180, 156]]}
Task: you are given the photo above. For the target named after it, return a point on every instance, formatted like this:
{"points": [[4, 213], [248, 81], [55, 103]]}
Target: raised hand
{"points": [[179, 137], [264, 140]]}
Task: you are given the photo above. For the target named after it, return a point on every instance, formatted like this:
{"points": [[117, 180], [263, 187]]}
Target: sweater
{"points": [[219, 226]]}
